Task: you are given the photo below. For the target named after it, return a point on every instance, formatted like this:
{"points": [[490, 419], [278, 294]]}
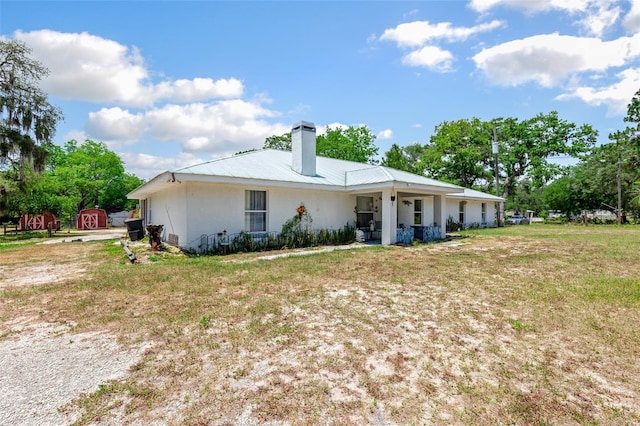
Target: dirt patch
{"points": [[46, 366], [44, 264], [39, 274]]}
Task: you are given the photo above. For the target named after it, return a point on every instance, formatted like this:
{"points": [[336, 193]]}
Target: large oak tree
{"points": [[27, 120], [461, 151], [528, 147]]}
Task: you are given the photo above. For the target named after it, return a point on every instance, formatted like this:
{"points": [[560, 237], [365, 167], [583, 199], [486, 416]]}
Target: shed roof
{"points": [[273, 168]]}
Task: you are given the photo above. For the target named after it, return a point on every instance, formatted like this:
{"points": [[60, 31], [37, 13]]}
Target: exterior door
{"points": [[36, 222], [90, 221]]}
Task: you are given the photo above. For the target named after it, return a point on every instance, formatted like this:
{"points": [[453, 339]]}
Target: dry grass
{"points": [[523, 325]]}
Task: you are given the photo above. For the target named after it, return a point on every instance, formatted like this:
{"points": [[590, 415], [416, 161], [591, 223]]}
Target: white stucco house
{"points": [[258, 191]]}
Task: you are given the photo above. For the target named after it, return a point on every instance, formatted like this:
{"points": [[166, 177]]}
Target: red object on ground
{"points": [[38, 222], [92, 219]]}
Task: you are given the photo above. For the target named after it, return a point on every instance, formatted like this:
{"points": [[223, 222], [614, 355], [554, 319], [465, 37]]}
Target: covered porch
{"points": [[394, 215]]}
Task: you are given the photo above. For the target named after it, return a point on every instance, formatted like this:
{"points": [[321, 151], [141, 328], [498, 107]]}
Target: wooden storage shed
{"points": [[41, 222], [92, 219]]}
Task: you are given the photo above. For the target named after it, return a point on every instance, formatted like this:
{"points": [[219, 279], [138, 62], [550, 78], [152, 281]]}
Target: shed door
{"points": [[36, 222], [90, 221]]}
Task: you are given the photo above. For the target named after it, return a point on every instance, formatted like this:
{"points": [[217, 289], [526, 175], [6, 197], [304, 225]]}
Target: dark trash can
{"points": [[135, 229]]}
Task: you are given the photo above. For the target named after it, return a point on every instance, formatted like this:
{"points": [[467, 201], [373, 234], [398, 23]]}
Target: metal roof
{"points": [[273, 167], [472, 194]]}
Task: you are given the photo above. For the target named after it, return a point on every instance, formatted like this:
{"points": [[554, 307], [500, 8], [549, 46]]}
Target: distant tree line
{"points": [[77, 176]]}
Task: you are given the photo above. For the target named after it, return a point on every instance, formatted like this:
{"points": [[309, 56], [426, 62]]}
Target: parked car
{"points": [[516, 219]]}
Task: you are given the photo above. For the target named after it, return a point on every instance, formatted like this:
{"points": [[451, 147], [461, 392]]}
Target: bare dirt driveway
{"points": [[46, 365]]}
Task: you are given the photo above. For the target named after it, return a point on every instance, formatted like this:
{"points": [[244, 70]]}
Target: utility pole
{"points": [[494, 151], [619, 191]]}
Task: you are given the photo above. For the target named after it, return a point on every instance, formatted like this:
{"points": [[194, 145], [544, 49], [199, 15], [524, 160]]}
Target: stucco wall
{"points": [[169, 208], [405, 212], [191, 209], [329, 210], [213, 208], [473, 211]]}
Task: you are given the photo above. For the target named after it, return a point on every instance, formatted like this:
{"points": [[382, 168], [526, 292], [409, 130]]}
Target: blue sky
{"points": [[167, 84]]}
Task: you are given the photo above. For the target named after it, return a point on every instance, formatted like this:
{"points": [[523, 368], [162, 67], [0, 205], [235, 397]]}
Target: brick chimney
{"points": [[303, 147]]}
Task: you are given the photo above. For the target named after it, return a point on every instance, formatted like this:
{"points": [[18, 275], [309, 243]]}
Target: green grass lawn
{"points": [[521, 325]]}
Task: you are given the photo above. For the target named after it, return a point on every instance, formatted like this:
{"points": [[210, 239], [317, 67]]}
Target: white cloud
{"points": [[214, 127], [615, 97], [201, 114], [87, 67], [415, 34], [431, 57], [76, 135], [632, 20], [550, 58], [420, 36], [227, 123], [115, 124], [199, 89], [533, 6], [599, 17], [146, 166], [385, 134], [594, 16], [90, 68]]}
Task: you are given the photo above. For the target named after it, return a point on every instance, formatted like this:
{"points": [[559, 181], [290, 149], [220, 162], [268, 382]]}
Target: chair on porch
{"points": [[376, 232]]}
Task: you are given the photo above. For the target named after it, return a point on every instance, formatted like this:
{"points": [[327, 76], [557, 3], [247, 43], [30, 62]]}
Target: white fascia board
{"points": [[430, 188], [467, 197], [369, 187], [470, 194], [404, 187], [187, 177]]}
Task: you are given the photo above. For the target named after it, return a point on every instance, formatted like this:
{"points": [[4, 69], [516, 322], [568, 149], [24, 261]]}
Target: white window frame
{"points": [[417, 213], [249, 211], [462, 212]]}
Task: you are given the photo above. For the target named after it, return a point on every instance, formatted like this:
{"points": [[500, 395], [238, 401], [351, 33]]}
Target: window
{"points": [[255, 211], [364, 208], [417, 212], [461, 211], [484, 212]]}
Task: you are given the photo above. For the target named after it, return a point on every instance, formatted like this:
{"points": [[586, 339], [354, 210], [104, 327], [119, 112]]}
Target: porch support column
{"points": [[389, 216], [440, 213]]}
